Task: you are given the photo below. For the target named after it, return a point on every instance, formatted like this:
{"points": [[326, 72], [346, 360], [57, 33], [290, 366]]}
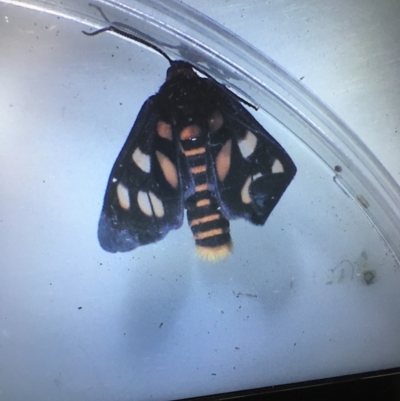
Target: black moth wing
{"points": [[250, 169], [141, 205]]}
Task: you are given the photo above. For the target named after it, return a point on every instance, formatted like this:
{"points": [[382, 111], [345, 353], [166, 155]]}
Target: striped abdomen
{"points": [[210, 228]]}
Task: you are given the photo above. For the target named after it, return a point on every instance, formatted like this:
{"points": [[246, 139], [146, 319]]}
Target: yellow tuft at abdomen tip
{"points": [[215, 254]]}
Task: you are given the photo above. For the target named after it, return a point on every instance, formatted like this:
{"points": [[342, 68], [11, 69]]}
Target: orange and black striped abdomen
{"points": [[210, 228]]}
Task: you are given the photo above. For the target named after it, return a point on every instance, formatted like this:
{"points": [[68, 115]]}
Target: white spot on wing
{"points": [[247, 144], [142, 160], [157, 205], [123, 196], [144, 203], [149, 203], [245, 194], [277, 167]]}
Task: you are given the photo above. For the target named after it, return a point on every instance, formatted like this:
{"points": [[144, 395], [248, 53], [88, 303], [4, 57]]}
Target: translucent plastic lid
{"points": [[312, 294]]}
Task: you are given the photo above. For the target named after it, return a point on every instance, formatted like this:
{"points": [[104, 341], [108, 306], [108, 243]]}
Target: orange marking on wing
{"points": [[223, 160], [168, 168], [164, 130]]}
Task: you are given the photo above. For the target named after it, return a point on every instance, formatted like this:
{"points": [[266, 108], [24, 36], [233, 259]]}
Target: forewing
{"points": [[250, 170], [143, 199]]}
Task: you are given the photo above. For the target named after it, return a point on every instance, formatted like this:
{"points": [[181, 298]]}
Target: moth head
{"points": [[181, 69]]}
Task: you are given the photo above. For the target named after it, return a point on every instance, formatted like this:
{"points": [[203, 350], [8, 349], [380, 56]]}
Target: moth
{"points": [[193, 147]]}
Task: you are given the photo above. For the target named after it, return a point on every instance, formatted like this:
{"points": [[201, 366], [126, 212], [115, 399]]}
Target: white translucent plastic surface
{"points": [[312, 294]]}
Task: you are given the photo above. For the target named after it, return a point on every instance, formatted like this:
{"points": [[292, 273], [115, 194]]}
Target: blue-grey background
{"points": [[346, 52], [291, 304]]}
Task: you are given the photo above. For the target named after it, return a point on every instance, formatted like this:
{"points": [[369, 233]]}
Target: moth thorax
{"points": [[192, 141]]}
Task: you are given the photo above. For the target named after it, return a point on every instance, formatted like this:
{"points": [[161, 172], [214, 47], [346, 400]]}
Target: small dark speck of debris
{"points": [[294, 344], [241, 294], [301, 78], [79, 307], [237, 348], [161, 324], [213, 374], [338, 169]]}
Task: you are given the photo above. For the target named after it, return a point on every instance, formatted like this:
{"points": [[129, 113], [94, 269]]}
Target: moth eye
{"points": [[123, 196], [142, 160], [223, 160], [245, 193], [215, 122], [247, 144], [168, 169], [164, 130], [149, 204], [277, 167]]}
